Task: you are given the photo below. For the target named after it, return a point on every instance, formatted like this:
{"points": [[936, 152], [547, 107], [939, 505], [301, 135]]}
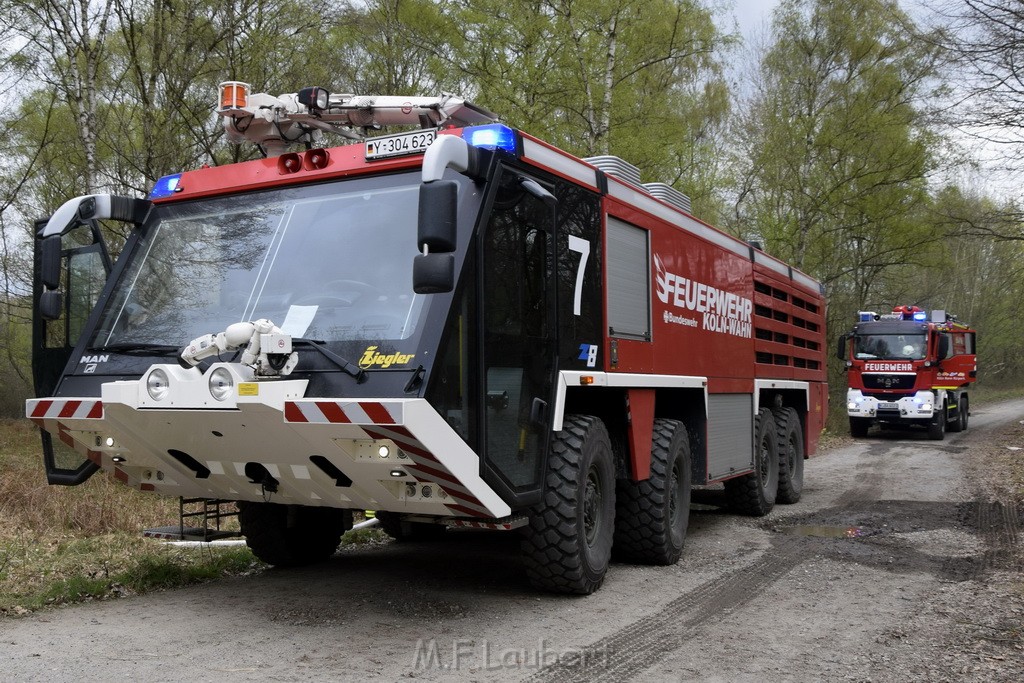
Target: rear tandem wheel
{"points": [[754, 494], [791, 455]]}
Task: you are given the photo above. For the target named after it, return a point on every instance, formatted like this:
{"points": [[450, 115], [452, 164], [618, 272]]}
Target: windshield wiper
{"points": [[139, 349], [345, 365]]}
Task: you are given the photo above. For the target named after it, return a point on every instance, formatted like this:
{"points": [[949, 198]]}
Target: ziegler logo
{"points": [[722, 311], [374, 359]]}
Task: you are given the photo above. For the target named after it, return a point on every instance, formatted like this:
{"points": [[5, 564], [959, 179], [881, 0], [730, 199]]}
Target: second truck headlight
{"points": [[221, 384]]}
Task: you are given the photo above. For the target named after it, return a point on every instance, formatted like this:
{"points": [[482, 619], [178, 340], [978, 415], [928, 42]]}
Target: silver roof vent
{"points": [[669, 194], [623, 170]]}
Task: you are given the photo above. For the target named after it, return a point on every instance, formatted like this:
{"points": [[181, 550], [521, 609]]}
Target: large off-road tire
{"points": [[400, 530], [292, 535], [937, 428], [859, 427], [965, 412], [754, 494], [651, 516], [791, 455], [568, 542]]}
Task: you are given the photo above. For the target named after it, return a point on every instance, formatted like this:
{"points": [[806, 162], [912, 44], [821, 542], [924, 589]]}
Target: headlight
{"points": [[156, 385], [852, 405], [221, 384]]}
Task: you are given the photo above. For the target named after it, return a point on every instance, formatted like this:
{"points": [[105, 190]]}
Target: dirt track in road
{"points": [[900, 563]]}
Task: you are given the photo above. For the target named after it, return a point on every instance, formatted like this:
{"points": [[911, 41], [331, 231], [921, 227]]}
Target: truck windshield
{"points": [[330, 262], [890, 347]]}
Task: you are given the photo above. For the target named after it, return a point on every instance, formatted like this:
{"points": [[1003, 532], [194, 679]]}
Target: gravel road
{"points": [[900, 563]]}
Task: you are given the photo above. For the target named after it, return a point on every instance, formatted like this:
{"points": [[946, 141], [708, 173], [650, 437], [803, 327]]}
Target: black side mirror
{"points": [[51, 305], [433, 273], [943, 346], [438, 213], [841, 348], [50, 262]]}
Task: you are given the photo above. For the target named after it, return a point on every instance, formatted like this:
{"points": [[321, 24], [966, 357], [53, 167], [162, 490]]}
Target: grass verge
{"points": [[61, 545], [34, 575], [982, 394]]}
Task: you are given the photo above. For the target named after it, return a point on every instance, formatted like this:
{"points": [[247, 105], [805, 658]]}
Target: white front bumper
{"points": [[399, 454], [920, 406]]}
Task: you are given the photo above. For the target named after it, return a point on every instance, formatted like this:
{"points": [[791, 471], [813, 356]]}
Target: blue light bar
{"points": [[492, 136], [165, 187], [920, 316]]}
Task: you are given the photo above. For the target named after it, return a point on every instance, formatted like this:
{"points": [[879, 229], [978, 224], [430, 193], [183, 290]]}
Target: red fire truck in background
{"points": [[453, 325], [909, 367]]}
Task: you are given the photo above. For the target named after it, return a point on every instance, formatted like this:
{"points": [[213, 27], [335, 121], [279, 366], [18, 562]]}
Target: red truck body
{"points": [[542, 343]]}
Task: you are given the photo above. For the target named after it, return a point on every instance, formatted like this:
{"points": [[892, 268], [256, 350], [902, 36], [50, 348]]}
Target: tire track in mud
{"points": [[998, 525], [642, 644]]}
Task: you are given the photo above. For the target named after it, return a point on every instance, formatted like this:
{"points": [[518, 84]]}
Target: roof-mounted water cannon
{"points": [[302, 117]]}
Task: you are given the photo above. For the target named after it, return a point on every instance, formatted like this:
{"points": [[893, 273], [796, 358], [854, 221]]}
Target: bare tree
{"points": [[986, 38], [69, 40]]}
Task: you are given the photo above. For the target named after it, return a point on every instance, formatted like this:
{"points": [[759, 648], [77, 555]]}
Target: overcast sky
{"points": [[752, 14]]}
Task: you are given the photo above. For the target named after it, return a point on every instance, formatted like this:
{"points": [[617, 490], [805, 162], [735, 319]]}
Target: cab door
{"points": [[70, 271], [517, 324]]}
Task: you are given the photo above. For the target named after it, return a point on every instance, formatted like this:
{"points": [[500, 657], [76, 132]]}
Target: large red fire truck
{"points": [[452, 325], [909, 368]]}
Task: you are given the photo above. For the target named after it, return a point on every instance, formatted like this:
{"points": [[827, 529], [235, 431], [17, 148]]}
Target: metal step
{"points": [[189, 533], [210, 512]]}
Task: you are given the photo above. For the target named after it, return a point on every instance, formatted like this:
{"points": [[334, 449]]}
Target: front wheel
{"points": [[652, 515], [859, 427], [959, 424], [937, 429], [292, 535], [568, 542]]}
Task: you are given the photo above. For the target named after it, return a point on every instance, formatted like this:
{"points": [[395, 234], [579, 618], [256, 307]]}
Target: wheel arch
{"points": [[777, 394], [619, 398]]}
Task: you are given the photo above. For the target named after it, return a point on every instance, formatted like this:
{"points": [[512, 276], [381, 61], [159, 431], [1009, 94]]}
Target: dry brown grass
{"points": [[100, 506], [64, 544], [1001, 464]]}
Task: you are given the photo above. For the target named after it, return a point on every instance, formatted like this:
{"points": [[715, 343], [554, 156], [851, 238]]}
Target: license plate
{"points": [[887, 405], [415, 142]]}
